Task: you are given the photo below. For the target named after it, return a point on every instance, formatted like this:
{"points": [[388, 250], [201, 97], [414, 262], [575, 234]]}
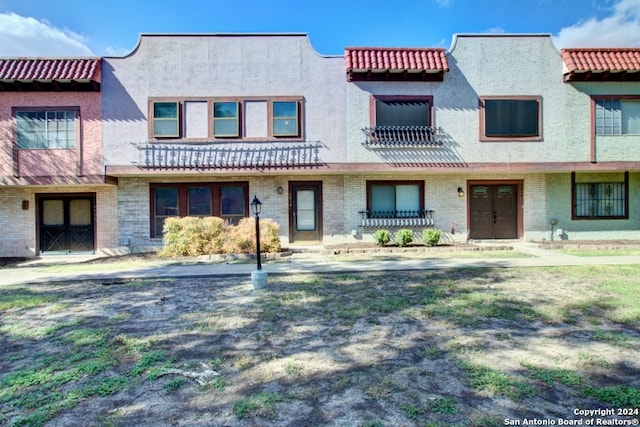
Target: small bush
{"points": [[382, 237], [404, 237], [431, 236], [192, 236]]}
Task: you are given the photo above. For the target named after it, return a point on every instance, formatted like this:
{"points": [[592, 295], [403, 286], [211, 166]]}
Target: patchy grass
{"points": [[460, 347]]}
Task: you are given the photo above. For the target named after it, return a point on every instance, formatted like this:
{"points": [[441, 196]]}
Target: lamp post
{"points": [[258, 277], [256, 207]]}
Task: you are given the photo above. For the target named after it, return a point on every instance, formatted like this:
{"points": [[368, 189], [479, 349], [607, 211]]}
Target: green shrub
{"points": [[382, 237], [431, 236], [404, 237], [192, 236]]}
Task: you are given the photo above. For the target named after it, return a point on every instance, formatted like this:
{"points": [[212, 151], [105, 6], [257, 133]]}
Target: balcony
{"points": [[402, 136], [396, 219]]}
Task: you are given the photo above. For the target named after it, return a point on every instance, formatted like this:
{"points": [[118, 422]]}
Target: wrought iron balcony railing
{"points": [[394, 219], [393, 136], [229, 155]]}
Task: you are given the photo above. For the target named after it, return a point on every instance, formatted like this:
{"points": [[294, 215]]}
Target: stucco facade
{"points": [[494, 138], [251, 71]]}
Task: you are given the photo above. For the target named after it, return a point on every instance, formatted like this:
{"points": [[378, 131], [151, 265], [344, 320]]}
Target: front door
{"points": [[66, 224], [493, 211], [305, 211]]}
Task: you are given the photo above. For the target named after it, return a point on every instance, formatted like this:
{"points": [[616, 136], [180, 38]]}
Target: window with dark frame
{"points": [[516, 118], [46, 128], [615, 116], [395, 199], [402, 112], [600, 200], [225, 200]]}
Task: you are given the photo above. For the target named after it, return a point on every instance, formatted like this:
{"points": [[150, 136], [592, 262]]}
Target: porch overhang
{"points": [[395, 64]]}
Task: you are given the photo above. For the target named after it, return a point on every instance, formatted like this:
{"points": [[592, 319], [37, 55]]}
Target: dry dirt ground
{"points": [[469, 347]]}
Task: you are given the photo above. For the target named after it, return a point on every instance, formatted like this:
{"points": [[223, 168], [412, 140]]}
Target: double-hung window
{"points": [[226, 119], [595, 198], [166, 119], [395, 199], [285, 118], [517, 118], [616, 116], [46, 128]]}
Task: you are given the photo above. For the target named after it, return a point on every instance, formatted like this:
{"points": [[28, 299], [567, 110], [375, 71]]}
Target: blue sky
{"points": [[101, 28]]}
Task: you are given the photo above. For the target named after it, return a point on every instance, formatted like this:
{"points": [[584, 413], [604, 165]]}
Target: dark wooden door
{"points": [[66, 224], [305, 211], [494, 213]]}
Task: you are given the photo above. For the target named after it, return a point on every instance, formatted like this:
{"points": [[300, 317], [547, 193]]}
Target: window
{"points": [[617, 116], [226, 200], [390, 199], [166, 120], [226, 119], [600, 200], [502, 118], [285, 118], [213, 119], [402, 111], [46, 129]]}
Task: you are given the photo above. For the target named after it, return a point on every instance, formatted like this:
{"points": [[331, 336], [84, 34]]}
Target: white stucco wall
{"points": [[479, 65], [201, 66]]}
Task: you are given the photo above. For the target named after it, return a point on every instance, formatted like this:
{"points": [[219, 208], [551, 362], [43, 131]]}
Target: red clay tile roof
{"points": [[25, 72], [376, 62], [602, 64]]}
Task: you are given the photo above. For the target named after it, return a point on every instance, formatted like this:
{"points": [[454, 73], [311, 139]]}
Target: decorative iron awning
{"points": [[232, 155], [399, 136]]}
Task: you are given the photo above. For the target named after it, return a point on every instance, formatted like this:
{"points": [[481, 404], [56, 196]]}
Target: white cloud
{"points": [[620, 29], [26, 36]]}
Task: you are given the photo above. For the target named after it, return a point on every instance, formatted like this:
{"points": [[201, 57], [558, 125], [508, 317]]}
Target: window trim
{"points": [[594, 102], [238, 118], [183, 205], [575, 217], [241, 137], [178, 119], [508, 138], [371, 183], [272, 118], [399, 98], [77, 143]]}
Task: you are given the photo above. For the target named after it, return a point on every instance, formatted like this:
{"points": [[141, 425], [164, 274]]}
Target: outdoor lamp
{"points": [[460, 192], [256, 206]]}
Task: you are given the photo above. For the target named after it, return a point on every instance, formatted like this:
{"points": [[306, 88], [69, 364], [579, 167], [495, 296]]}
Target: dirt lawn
{"points": [[472, 347]]}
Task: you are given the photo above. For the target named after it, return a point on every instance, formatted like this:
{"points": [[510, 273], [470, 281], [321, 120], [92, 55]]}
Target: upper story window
{"points": [[46, 128], [226, 119], [166, 120], [205, 119], [514, 118], [402, 111], [616, 116], [401, 120], [285, 118]]}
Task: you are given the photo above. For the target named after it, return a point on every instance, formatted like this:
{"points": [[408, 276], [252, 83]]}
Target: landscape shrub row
{"points": [[403, 237], [193, 236]]}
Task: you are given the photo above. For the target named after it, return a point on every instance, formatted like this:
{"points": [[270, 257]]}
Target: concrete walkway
{"points": [[308, 261]]}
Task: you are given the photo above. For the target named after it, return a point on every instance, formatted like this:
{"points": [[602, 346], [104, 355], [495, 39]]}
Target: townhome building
{"points": [[200, 124], [54, 195], [498, 137]]}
